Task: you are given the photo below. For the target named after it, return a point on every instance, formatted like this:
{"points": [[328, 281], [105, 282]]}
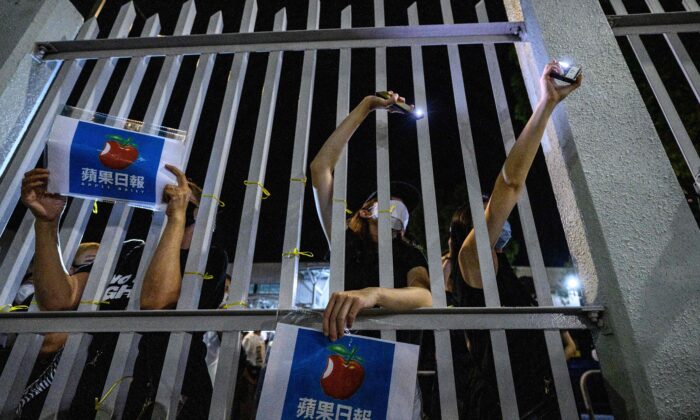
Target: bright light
{"points": [[419, 113], [572, 282], [564, 65]]}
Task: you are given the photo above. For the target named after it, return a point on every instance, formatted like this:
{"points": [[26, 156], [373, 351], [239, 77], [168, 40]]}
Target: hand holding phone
{"points": [[401, 107], [569, 75]]}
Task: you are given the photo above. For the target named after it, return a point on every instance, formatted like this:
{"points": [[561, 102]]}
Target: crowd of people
{"points": [[54, 287]]}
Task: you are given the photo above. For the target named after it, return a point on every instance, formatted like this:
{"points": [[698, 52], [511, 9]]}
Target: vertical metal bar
{"points": [[662, 97], [127, 345], [225, 382], [555, 350], [691, 5], [443, 349], [17, 260], [295, 204], [245, 246], [177, 347], [243, 262], [386, 262], [69, 370], [679, 52], [26, 348], [504, 375], [17, 370], [336, 281]]}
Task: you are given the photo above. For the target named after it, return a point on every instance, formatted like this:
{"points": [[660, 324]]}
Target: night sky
{"points": [[447, 159]]}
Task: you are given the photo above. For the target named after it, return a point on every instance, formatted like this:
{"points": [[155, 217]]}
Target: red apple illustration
{"points": [[343, 375], [118, 153]]}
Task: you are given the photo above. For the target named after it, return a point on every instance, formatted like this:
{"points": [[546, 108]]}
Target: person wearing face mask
{"points": [[532, 376], [361, 289], [411, 283]]}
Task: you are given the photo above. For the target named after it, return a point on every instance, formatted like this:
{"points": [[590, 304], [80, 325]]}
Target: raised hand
{"points": [[43, 205], [375, 102], [177, 196], [549, 90]]}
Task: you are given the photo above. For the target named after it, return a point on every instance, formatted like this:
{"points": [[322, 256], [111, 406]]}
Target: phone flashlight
{"points": [[403, 108], [569, 75]]}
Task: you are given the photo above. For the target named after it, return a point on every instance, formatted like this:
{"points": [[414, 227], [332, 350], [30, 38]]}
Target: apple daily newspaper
{"points": [[355, 377], [101, 162]]}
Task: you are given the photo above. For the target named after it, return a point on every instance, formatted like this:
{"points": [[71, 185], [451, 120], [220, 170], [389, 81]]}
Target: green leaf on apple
{"points": [[122, 141], [339, 349]]}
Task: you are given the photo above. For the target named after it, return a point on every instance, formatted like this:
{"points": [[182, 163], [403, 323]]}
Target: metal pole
{"points": [[336, 281], [501, 360], [295, 205], [443, 349], [373, 37], [386, 260]]}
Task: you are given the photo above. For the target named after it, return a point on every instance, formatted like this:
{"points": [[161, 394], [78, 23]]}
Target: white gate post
{"points": [[633, 238]]}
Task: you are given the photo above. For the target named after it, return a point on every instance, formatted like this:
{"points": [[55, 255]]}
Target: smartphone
{"points": [[403, 108], [569, 75]]}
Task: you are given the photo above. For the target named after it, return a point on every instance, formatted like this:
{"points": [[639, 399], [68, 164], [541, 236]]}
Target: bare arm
{"points": [[323, 165], [55, 289], [162, 282], [569, 345], [511, 180], [343, 307], [52, 343]]}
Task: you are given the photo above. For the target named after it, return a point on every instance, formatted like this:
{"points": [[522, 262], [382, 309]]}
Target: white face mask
{"points": [[399, 214]]}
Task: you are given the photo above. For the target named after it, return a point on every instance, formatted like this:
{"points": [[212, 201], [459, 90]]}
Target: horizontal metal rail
{"points": [[654, 23], [394, 36], [516, 318]]}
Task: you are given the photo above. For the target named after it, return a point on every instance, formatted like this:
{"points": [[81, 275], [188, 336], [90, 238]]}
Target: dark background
{"points": [[447, 159]]}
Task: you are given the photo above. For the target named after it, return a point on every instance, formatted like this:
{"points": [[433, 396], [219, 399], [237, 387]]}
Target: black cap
{"points": [[403, 190]]}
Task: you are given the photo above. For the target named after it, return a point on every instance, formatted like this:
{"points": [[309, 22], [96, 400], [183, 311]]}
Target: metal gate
{"points": [[186, 319]]}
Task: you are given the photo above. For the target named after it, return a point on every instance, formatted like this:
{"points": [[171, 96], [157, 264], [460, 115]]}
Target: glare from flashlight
{"points": [[572, 282], [418, 112], [564, 65]]}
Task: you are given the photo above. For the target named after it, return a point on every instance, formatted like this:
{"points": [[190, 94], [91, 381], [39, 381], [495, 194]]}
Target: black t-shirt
{"points": [[527, 349], [362, 269]]}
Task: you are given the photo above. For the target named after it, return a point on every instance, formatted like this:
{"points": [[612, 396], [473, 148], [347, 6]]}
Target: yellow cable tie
{"points": [[389, 210], [239, 303], [100, 401], [302, 180], [95, 302], [295, 253], [221, 203], [265, 192], [94, 207], [205, 276], [13, 307], [345, 203]]}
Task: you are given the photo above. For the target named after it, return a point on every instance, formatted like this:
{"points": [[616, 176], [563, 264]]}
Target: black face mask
{"points": [[189, 215]]}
